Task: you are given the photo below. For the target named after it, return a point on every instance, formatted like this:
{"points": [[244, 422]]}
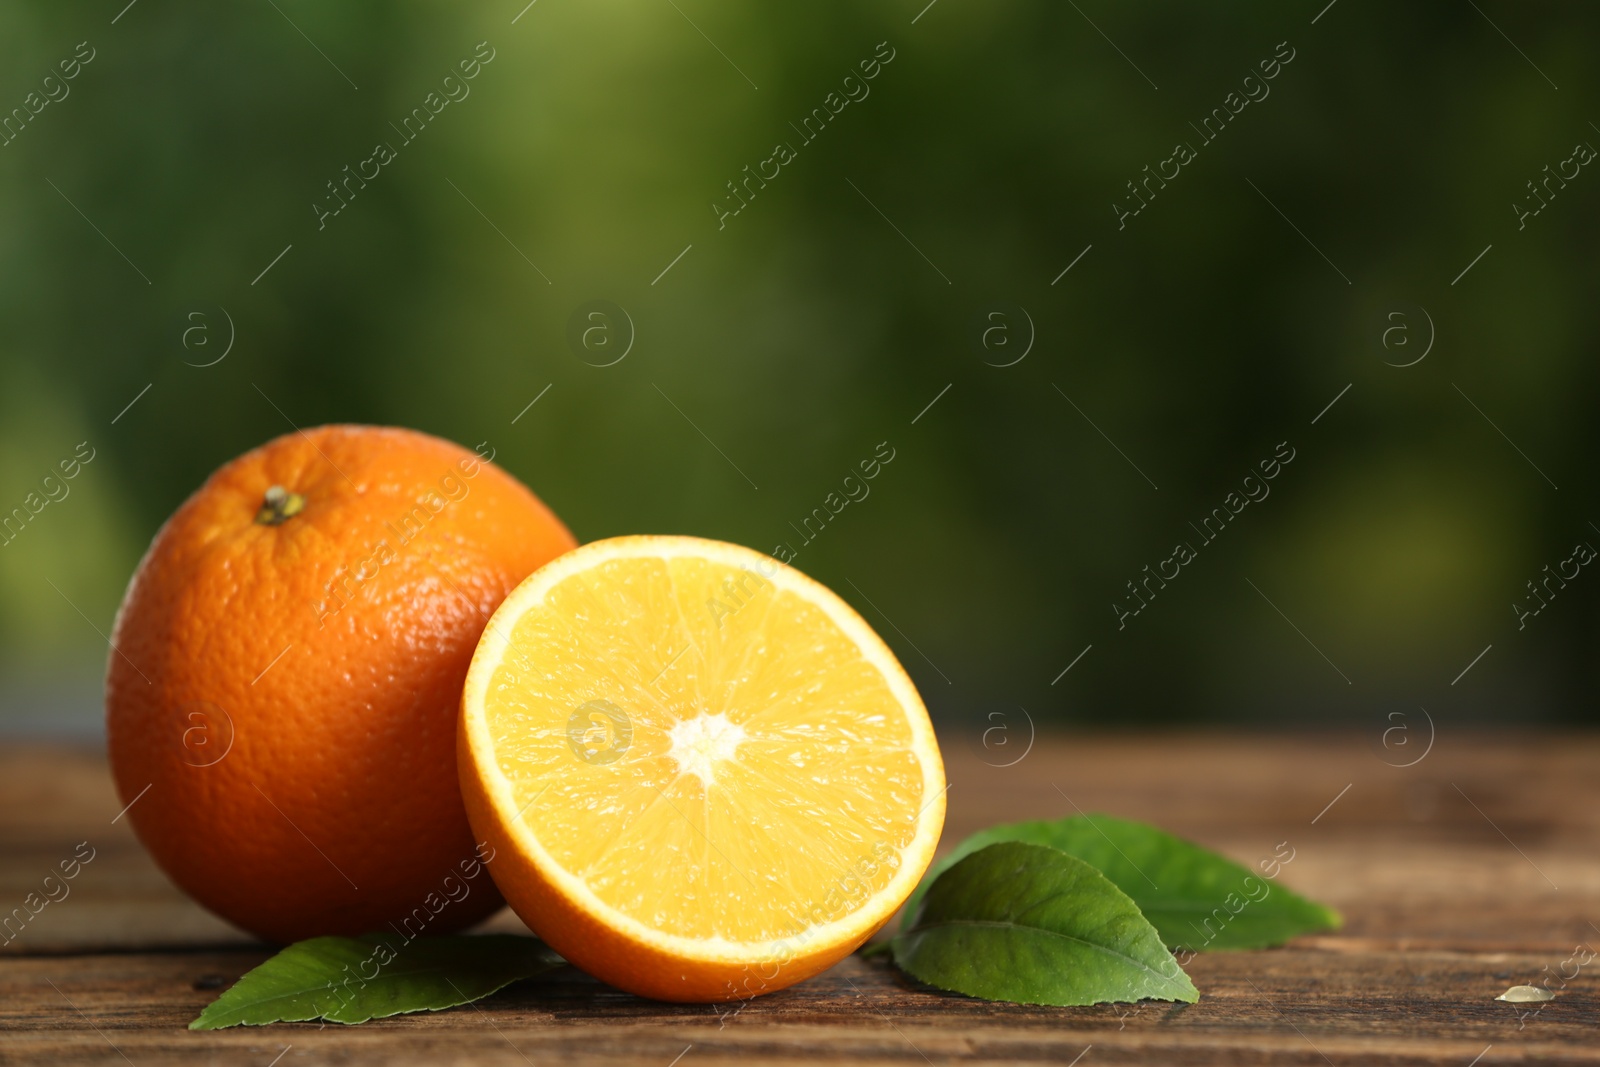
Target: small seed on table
{"points": [[1525, 994]]}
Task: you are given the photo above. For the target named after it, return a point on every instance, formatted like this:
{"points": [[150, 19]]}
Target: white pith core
{"points": [[701, 743]]}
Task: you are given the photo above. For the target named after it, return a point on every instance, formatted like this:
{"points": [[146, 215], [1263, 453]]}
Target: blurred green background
{"points": [[781, 348]]}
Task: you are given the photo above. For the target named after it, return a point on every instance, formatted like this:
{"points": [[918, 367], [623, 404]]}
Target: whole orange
{"points": [[286, 673]]}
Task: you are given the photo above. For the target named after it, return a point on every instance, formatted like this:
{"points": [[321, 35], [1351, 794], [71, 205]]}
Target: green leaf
{"points": [[1033, 925], [353, 979], [1196, 898]]}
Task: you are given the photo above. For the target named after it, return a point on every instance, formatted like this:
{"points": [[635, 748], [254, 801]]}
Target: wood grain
{"points": [[1469, 872]]}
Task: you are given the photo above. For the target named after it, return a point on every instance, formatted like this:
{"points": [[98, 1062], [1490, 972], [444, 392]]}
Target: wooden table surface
{"points": [[1469, 872]]}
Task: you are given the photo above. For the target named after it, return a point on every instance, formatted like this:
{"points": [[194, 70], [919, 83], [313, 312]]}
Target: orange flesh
{"points": [[711, 755]]}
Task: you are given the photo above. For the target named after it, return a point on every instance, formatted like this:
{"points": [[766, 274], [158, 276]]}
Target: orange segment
{"points": [[704, 775]]}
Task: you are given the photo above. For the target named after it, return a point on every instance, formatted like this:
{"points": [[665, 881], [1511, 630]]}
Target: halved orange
{"points": [[703, 776]]}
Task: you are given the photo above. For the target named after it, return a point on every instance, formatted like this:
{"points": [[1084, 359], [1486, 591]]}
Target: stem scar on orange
{"points": [[282, 695]]}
